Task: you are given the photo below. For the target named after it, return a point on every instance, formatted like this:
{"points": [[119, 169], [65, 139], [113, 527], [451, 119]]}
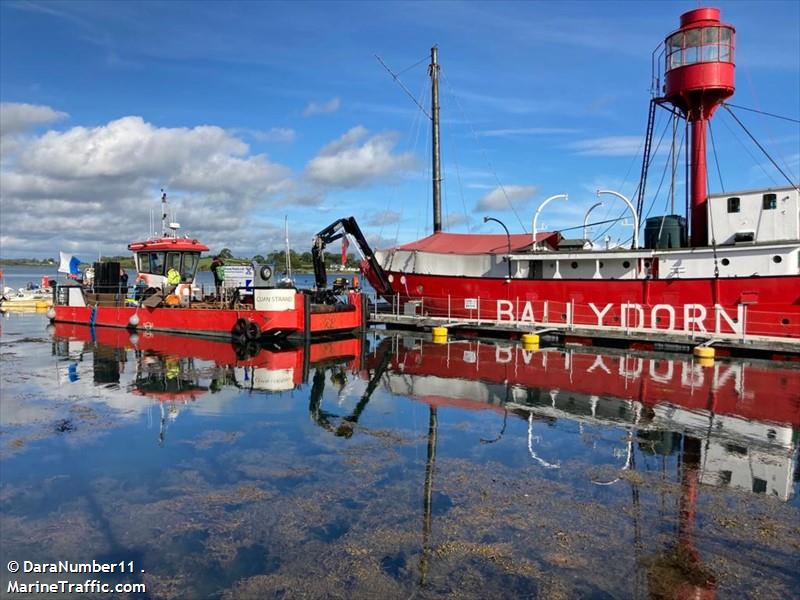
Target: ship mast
{"points": [[433, 71]]}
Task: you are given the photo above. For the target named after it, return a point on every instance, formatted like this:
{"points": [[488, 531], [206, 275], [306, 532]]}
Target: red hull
{"points": [[213, 321], [766, 306]]}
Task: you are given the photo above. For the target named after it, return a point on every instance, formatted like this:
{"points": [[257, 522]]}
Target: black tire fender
{"points": [[253, 348], [252, 331], [266, 273], [240, 348], [241, 327]]}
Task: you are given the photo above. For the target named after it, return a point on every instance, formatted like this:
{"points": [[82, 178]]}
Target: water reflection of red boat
{"points": [[278, 367]]}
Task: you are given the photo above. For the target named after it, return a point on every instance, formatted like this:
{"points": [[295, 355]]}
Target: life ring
{"points": [[266, 273], [252, 331]]}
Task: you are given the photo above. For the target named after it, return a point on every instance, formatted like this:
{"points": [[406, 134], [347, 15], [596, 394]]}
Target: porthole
{"points": [[390, 278], [776, 259], [403, 279], [785, 321], [725, 262], [574, 264], [626, 264], [647, 264]]}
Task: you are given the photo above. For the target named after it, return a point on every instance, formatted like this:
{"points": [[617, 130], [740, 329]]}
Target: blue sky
{"points": [[246, 112]]}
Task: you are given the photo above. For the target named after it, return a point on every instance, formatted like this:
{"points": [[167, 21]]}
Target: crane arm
{"points": [[335, 231]]}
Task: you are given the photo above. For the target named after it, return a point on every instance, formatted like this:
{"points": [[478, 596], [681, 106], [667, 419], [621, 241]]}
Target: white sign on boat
{"points": [[275, 300], [273, 380]]}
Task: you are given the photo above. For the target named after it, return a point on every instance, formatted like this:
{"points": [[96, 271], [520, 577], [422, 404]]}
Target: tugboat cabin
{"points": [[154, 259]]}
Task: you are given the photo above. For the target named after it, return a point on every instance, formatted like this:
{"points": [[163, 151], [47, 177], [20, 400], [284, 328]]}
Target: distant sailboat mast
{"points": [[288, 258]]}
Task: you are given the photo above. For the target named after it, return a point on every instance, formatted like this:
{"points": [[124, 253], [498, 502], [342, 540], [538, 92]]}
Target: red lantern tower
{"points": [[699, 77]]}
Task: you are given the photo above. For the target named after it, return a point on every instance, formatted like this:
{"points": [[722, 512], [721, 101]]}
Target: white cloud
{"points": [[17, 117], [386, 217], [319, 108], [454, 219], [351, 160], [501, 198], [91, 188], [274, 134], [617, 145], [527, 131]]}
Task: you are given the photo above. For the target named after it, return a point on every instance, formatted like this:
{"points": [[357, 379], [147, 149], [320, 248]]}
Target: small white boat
{"points": [[25, 298]]}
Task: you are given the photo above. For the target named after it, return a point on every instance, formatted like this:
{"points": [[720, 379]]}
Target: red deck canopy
{"points": [[470, 243]]}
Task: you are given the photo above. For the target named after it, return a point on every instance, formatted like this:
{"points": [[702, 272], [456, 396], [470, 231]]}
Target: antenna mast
{"points": [[433, 70], [163, 213]]}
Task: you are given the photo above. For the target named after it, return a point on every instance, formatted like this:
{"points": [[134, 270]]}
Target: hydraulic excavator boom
{"points": [[335, 231]]}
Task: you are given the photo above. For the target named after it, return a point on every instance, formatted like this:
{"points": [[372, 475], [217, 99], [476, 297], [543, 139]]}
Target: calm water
{"points": [[391, 467]]}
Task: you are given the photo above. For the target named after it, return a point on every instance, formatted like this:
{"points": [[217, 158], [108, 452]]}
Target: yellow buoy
{"points": [[530, 338], [705, 362], [704, 352], [42, 304], [439, 335]]}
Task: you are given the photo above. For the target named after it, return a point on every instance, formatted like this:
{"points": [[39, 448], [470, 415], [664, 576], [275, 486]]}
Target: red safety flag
{"points": [[345, 245]]}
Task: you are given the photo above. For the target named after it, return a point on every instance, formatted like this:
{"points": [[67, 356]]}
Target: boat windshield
{"points": [[156, 261], [184, 262], [190, 261]]}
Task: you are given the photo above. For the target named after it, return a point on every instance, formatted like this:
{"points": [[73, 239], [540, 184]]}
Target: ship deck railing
{"points": [[576, 320]]}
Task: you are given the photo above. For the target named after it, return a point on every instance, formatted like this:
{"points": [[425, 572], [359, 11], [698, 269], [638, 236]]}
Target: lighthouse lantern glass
{"points": [[701, 44]]}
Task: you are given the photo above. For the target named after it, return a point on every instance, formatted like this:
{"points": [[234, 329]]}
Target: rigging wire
{"points": [[754, 91], [652, 158], [405, 89], [762, 112], [467, 220], [483, 151], [658, 191], [414, 130], [755, 141], [716, 158], [625, 179], [416, 64], [746, 149]]}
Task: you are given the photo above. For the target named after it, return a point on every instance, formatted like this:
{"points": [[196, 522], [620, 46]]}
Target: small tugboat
{"points": [[159, 302]]}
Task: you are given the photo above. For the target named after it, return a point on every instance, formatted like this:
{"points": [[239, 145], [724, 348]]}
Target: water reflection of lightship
{"points": [[747, 415], [729, 267]]}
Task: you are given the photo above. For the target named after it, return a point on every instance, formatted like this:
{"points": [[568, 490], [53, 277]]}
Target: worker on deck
{"points": [[218, 271], [173, 279]]}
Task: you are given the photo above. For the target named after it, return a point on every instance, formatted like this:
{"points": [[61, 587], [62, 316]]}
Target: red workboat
{"points": [[729, 268], [258, 308]]}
